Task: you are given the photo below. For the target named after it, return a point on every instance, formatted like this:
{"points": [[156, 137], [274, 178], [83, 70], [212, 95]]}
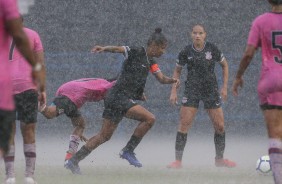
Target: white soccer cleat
{"points": [[10, 181], [29, 180]]}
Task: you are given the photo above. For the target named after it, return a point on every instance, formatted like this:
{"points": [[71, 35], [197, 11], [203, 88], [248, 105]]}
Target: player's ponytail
{"points": [[157, 37], [275, 2]]}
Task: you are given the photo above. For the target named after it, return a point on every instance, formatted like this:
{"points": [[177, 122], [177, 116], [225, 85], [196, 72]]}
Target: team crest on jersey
{"points": [[208, 55]]}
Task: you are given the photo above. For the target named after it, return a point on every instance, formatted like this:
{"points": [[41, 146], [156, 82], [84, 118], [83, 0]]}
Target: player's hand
{"points": [[238, 82], [173, 99], [42, 99], [176, 83], [83, 139], [223, 93], [97, 49]]}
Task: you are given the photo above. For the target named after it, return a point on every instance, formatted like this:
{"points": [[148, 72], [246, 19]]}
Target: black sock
{"points": [[219, 141], [80, 155], [180, 143], [132, 143]]}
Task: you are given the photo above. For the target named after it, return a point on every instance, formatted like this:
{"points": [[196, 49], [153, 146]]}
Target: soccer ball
{"points": [[263, 165]]}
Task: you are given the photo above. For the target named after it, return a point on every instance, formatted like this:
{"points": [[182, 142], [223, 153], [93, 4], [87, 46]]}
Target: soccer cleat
{"points": [[68, 156], [175, 165], [74, 168], [10, 181], [224, 163], [29, 180], [130, 157]]}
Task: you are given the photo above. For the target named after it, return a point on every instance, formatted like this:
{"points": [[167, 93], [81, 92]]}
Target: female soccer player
{"points": [[201, 85], [266, 32], [69, 98], [120, 101]]}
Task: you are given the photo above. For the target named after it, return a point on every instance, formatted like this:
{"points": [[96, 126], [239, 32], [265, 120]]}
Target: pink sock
{"points": [[73, 144], [275, 154], [9, 162], [30, 158]]}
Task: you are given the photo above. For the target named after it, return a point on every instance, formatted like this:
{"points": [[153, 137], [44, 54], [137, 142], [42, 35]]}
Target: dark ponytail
{"points": [[157, 37], [275, 2]]}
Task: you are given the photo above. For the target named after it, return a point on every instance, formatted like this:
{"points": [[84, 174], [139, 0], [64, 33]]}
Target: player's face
{"points": [[157, 50], [198, 35]]}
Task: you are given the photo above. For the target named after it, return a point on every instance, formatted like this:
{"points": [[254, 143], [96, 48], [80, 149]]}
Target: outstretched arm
{"points": [[113, 49], [166, 80], [224, 66], [173, 93], [245, 61]]}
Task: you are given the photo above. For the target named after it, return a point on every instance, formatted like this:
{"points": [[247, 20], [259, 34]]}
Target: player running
{"points": [[120, 101], [201, 85], [266, 32], [69, 98], [26, 100], [11, 25]]}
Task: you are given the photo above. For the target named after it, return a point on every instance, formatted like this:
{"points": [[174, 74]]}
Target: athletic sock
{"points": [[132, 143], [9, 160], [73, 144], [30, 158], [80, 155], [219, 141], [275, 154], [180, 142]]}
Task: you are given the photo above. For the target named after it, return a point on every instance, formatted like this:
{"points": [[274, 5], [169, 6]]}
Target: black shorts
{"points": [[6, 121], [65, 105], [116, 107], [27, 106], [270, 107], [210, 102]]}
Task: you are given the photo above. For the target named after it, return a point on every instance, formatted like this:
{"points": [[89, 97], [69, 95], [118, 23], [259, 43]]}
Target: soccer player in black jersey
{"points": [[201, 85], [120, 100]]}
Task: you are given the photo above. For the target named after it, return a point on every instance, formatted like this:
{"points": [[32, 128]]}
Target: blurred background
{"points": [[70, 28]]}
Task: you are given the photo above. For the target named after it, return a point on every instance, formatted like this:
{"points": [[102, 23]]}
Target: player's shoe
{"points": [[29, 180], [130, 157], [10, 181], [68, 156], [74, 168], [175, 165], [224, 163]]}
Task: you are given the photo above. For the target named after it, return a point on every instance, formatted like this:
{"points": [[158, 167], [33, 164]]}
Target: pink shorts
{"points": [[270, 88]]}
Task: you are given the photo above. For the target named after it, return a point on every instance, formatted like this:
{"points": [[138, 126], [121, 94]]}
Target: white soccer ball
{"points": [[263, 165]]}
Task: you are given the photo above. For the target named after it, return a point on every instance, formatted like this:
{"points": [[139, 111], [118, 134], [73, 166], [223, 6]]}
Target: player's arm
{"points": [[39, 57], [225, 74], [163, 79], [113, 49], [15, 29], [173, 92], [244, 63]]}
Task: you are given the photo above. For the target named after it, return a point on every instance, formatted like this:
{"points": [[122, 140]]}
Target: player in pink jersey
{"points": [[69, 98], [10, 24], [266, 32], [26, 101]]}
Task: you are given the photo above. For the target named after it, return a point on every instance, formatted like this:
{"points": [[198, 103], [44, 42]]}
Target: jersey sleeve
{"points": [[10, 9], [254, 38], [182, 58], [154, 67], [130, 51], [219, 57]]}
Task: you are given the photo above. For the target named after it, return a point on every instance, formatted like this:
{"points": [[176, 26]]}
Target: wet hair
{"points": [[201, 25], [157, 37], [275, 2]]}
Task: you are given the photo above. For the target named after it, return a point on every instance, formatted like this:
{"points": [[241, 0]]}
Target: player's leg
{"points": [[187, 115], [76, 136], [273, 119], [28, 117], [147, 120], [49, 112], [9, 158], [217, 118], [104, 135]]}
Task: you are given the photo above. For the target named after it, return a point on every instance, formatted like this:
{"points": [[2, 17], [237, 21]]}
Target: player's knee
{"points": [[151, 120]]}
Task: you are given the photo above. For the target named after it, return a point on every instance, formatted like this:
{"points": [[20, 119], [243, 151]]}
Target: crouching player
{"points": [[69, 98]]}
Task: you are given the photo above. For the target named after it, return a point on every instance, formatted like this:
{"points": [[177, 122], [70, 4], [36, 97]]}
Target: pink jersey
{"points": [[266, 32], [20, 68], [8, 11], [85, 90]]}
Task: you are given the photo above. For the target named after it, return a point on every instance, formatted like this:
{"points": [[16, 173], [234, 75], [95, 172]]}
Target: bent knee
{"points": [[151, 120]]}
